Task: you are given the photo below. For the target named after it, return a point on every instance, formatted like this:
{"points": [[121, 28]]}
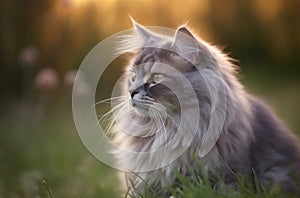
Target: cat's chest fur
{"points": [[165, 175], [161, 178]]}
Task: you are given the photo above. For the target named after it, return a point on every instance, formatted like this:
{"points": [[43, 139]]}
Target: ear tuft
{"points": [[142, 31], [187, 44], [183, 29]]}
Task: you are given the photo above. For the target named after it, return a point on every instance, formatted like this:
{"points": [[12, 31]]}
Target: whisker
{"points": [[110, 119], [154, 117], [110, 111], [110, 99], [149, 98], [164, 130], [161, 128], [168, 115], [113, 121]]}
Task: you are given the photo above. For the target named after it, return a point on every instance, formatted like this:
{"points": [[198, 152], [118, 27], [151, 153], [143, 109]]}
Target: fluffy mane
{"points": [[213, 124]]}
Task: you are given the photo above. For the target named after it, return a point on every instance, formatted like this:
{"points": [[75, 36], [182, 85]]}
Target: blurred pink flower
{"points": [[47, 79], [82, 87], [69, 78], [28, 56]]}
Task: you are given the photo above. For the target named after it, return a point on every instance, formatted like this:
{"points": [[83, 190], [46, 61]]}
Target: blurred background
{"points": [[44, 42]]}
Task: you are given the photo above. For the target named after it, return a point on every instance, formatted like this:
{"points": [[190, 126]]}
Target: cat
{"points": [[183, 94]]}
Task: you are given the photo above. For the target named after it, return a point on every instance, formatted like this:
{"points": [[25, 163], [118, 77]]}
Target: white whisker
{"points": [[110, 99], [113, 121], [110, 112]]}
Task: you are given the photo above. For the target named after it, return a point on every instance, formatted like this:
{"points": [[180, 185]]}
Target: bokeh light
{"points": [[44, 42]]}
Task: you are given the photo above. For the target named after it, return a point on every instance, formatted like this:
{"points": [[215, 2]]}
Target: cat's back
{"points": [[275, 153]]}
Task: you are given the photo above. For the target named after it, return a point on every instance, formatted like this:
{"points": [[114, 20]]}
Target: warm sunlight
{"points": [[77, 2], [47, 46]]}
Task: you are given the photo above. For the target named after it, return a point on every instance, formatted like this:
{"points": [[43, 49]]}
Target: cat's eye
{"points": [[133, 77], [157, 78]]}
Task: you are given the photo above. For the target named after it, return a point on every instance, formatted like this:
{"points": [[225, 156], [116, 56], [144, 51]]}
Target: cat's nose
{"points": [[137, 90], [140, 90], [134, 93]]}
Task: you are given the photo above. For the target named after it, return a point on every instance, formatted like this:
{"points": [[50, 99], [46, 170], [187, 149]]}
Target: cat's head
{"points": [[179, 78], [166, 70]]}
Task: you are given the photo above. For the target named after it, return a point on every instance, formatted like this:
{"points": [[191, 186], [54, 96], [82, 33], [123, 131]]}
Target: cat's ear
{"points": [[142, 31], [187, 44]]}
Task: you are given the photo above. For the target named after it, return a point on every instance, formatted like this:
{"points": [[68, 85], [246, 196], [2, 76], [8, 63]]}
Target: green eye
{"points": [[157, 78], [133, 77]]}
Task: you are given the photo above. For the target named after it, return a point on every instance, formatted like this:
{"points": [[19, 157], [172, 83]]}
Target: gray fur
{"points": [[252, 138]]}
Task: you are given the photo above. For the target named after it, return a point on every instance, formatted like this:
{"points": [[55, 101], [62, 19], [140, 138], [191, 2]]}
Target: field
{"points": [[39, 143], [43, 44]]}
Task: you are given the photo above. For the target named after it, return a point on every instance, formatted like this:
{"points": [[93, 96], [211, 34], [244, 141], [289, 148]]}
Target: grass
{"points": [[207, 186], [37, 147]]}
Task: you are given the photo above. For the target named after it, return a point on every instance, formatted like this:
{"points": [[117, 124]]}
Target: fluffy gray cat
{"points": [[183, 92]]}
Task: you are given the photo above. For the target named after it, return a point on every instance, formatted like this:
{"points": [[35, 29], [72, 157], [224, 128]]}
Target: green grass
{"points": [[34, 148], [208, 186]]}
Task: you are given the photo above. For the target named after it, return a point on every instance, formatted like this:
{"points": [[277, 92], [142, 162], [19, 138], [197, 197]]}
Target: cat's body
{"points": [[251, 140]]}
